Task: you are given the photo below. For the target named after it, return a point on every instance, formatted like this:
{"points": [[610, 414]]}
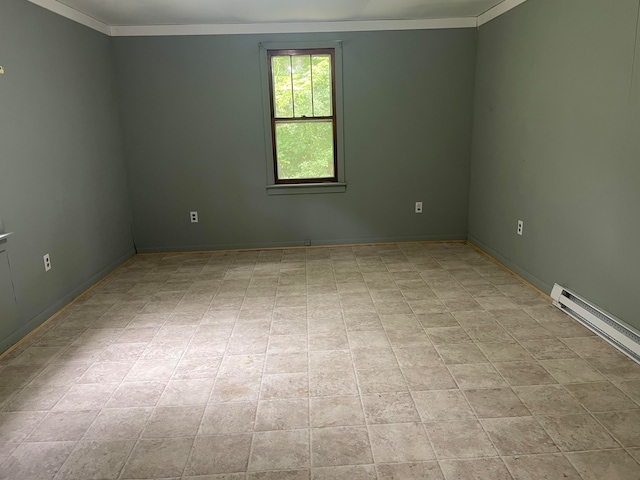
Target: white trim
{"points": [[68, 12], [498, 10], [312, 27]]}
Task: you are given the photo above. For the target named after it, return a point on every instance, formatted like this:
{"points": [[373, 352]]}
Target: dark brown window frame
{"points": [[333, 118]]}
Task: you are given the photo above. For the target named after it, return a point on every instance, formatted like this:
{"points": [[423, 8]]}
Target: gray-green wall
{"points": [[556, 144], [63, 184], [194, 137]]}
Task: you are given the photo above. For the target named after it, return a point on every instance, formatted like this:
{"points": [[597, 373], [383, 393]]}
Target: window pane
{"points": [[304, 149], [301, 69], [282, 87], [321, 85]]}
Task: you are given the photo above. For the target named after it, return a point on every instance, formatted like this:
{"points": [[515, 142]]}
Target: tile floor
{"points": [[408, 361]]}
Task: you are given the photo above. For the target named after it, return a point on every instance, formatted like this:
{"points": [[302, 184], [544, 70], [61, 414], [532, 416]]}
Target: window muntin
{"points": [[303, 119]]}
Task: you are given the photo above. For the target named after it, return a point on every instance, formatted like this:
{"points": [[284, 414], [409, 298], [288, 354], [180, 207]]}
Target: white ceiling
{"points": [[199, 12], [147, 17]]}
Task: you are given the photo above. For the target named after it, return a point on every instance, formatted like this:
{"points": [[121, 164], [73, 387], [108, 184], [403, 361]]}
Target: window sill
{"points": [[306, 188]]}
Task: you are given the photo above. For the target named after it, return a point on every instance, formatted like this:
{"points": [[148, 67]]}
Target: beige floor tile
{"points": [[443, 405], [158, 458], [429, 378], [477, 376], [448, 335], [151, 370], [442, 320], [166, 422], [241, 365], [541, 467], [348, 472], [287, 363], [285, 414], [36, 461], [600, 397], [616, 367], [334, 446], [280, 450], [96, 459], [332, 383], [236, 389], [572, 370], [136, 394], [496, 403], [548, 400], [280, 475], [328, 341], [63, 426], [285, 385], [219, 454], [86, 397], [589, 346], [330, 360], [524, 373], [609, 464], [186, 392], [577, 432], [401, 442], [336, 411], [389, 408], [381, 381], [16, 426], [197, 368], [548, 348], [459, 439], [367, 339], [35, 398], [374, 358], [287, 344], [624, 426], [453, 354], [504, 352], [420, 356], [631, 388], [475, 469], [118, 424], [410, 471], [518, 436]]}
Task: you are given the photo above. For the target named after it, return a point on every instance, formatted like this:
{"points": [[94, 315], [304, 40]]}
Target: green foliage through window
{"points": [[303, 119]]}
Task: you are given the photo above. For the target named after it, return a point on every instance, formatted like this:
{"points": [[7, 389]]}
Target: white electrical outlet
{"points": [[47, 262], [520, 227], [194, 216], [418, 207]]}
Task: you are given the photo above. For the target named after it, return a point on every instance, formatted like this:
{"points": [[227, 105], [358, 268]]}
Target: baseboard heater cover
{"points": [[623, 337]]}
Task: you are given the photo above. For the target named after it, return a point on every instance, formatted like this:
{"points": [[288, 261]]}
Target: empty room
{"points": [[319, 240]]}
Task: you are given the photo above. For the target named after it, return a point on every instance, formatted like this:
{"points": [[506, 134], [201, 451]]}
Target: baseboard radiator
{"points": [[624, 338]]}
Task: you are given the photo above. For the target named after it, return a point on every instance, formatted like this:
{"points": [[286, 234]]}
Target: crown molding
{"points": [[498, 10], [78, 17], [269, 28]]}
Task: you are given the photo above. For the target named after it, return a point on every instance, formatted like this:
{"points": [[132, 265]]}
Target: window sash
{"points": [[274, 120]]}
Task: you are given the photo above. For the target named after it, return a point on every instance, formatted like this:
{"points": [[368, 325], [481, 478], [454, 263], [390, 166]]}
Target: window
{"points": [[302, 96]]}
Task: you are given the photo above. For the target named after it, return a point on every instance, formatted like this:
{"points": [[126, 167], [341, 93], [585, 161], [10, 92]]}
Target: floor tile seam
{"points": [[355, 377]]}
